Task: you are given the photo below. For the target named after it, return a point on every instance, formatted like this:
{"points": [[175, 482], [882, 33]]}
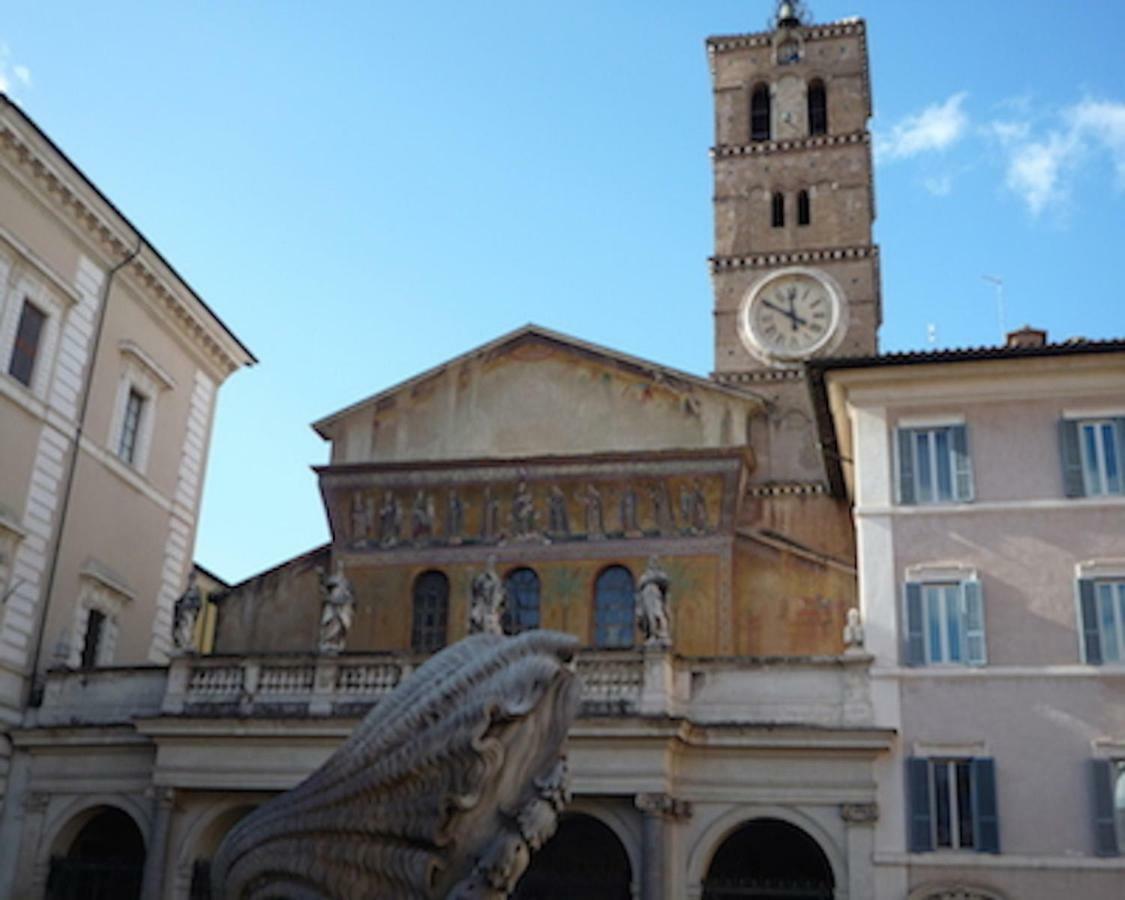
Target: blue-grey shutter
{"points": [[919, 814], [1070, 449], [915, 629], [986, 821], [962, 465], [1088, 607], [972, 611], [906, 467], [1119, 429], [1101, 795]]}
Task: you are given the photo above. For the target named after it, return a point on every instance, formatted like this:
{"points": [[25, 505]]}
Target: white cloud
{"points": [[12, 75], [1040, 169], [937, 127], [1036, 168]]}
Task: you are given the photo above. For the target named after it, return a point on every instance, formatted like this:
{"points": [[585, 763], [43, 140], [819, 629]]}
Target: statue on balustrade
{"points": [[523, 512], [422, 518], [184, 616], [444, 790], [652, 605], [390, 520], [337, 611], [363, 516], [853, 633], [487, 601], [558, 520]]}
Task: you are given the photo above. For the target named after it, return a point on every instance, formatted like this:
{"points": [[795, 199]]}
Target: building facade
{"points": [[110, 367], [988, 497]]}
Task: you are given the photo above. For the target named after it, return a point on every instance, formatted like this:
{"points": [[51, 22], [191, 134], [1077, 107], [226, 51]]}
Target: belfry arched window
{"points": [[522, 612], [760, 113], [804, 211], [777, 210], [614, 602], [818, 108], [431, 612]]}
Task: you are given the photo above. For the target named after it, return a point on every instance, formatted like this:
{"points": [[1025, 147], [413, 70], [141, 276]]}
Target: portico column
{"points": [[152, 888], [860, 819], [659, 811]]}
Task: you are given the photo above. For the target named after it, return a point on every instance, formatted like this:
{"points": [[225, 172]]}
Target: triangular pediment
{"points": [[534, 392]]}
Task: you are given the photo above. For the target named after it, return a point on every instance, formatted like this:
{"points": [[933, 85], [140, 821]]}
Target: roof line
{"points": [[977, 354], [10, 104], [532, 329]]}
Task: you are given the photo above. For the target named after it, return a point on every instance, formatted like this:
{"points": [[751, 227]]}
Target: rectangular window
{"points": [[952, 804], [1093, 456], [1107, 786], [26, 348], [945, 623], [933, 465], [91, 644], [130, 426], [1102, 611]]}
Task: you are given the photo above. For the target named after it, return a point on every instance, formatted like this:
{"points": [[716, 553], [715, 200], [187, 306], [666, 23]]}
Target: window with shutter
{"points": [[934, 465], [1093, 456], [952, 804], [1101, 610], [26, 348], [1107, 801], [945, 623]]}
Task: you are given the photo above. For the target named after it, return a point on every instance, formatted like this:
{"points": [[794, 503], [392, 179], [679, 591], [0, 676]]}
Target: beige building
{"points": [[109, 367], [988, 490]]}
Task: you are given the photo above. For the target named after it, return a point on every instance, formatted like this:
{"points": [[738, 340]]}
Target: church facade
{"points": [[750, 739]]}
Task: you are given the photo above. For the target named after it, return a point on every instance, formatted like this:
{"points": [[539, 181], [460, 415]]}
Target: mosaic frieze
{"points": [[528, 511]]}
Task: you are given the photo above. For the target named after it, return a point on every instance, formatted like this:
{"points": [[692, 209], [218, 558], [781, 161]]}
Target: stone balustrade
{"points": [[831, 691]]}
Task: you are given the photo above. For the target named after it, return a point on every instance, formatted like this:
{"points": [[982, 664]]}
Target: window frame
{"points": [[17, 352], [818, 114], [104, 592], [804, 209], [418, 631], [922, 819], [1090, 609], [1107, 803], [601, 625], [1080, 478], [23, 282], [512, 620], [908, 474], [761, 114], [777, 209], [140, 374], [970, 618]]}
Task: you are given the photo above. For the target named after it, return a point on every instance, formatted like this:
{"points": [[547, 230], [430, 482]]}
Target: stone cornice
{"points": [[758, 376], [723, 43], [78, 203], [758, 148], [721, 264]]}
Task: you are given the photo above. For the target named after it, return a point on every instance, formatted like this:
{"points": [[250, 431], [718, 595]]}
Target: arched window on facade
{"points": [[818, 108], [804, 213], [777, 210], [522, 611], [431, 612], [760, 113], [613, 608]]}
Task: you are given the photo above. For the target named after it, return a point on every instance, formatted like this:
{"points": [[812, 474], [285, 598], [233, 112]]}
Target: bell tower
{"points": [[795, 271]]}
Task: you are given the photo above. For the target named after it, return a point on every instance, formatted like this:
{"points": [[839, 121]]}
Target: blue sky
{"points": [[362, 190]]}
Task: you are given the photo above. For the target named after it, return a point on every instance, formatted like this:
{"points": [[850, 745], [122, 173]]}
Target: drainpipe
{"points": [[36, 696]]}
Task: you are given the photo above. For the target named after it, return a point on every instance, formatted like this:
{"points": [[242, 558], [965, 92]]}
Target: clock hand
{"points": [[789, 314]]}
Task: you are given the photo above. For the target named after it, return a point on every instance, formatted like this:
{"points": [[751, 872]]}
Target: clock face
{"points": [[790, 316]]}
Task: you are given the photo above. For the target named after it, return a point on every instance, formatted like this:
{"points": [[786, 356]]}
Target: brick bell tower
{"points": [[795, 271]]}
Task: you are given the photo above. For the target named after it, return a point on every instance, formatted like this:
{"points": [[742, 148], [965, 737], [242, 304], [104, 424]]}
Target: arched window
{"points": [[818, 108], [522, 612], [760, 113], [777, 210], [804, 213], [431, 612], [613, 608]]}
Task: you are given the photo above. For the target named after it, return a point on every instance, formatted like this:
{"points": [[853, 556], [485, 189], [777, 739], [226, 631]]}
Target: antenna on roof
{"points": [[998, 282]]}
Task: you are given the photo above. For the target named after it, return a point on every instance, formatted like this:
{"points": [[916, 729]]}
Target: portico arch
{"points": [[201, 840], [584, 859], [954, 892], [704, 849], [99, 854]]}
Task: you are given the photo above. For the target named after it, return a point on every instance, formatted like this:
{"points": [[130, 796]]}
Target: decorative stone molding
{"points": [[36, 803], [797, 257], [664, 805], [787, 489], [859, 813], [724, 43], [760, 148]]}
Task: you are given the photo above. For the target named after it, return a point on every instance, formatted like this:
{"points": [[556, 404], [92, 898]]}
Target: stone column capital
{"points": [[664, 805], [859, 813]]}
